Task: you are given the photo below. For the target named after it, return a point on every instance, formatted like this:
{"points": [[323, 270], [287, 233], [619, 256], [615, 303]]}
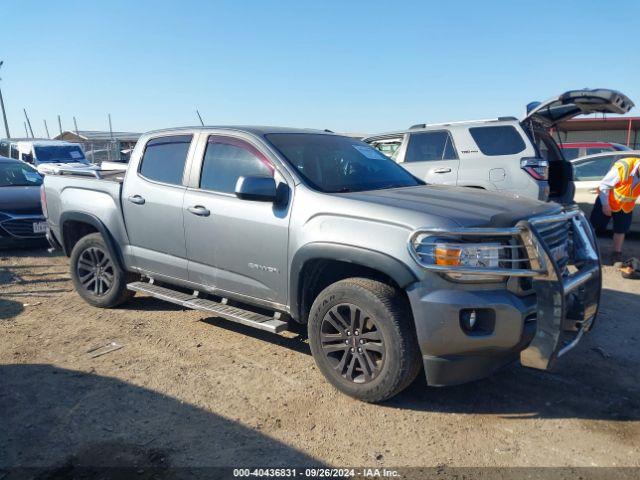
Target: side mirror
{"points": [[260, 189]]}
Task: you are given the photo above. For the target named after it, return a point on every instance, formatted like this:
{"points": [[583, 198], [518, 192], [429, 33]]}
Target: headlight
{"points": [[491, 260], [486, 255]]}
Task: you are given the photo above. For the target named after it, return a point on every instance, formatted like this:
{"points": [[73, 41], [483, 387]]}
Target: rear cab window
{"points": [[164, 159], [498, 140], [430, 146]]}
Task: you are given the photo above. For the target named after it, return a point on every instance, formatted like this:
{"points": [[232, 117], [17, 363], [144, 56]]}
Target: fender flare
{"points": [[90, 219], [395, 269]]}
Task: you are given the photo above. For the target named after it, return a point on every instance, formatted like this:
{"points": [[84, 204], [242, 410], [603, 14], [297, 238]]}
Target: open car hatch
{"points": [[577, 102]]}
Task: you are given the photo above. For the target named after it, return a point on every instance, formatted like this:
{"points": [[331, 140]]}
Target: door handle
{"points": [[593, 190], [442, 170], [137, 199], [199, 210]]}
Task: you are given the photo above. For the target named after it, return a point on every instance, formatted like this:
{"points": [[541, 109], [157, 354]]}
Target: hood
{"points": [[467, 207], [20, 200], [577, 102]]}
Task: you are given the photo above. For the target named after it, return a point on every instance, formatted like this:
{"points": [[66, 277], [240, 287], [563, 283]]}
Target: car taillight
{"points": [[536, 167], [43, 200]]}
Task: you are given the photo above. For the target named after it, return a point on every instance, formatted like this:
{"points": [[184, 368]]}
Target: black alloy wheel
{"points": [[352, 343], [95, 271]]}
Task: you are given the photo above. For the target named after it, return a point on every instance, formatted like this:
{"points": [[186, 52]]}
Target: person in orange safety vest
{"points": [[618, 192]]}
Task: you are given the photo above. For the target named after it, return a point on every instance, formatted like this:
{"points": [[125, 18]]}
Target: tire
{"points": [[371, 355], [96, 275]]}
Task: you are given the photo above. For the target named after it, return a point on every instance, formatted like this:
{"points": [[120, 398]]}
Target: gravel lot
{"points": [[191, 390]]}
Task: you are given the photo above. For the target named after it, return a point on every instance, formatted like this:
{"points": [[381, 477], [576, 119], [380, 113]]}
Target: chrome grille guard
{"points": [[568, 298], [531, 246]]}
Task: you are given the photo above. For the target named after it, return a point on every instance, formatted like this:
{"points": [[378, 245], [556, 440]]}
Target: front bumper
{"points": [[539, 327], [17, 230]]}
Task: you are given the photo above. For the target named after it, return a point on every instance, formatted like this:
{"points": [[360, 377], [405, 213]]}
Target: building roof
{"points": [[97, 135], [606, 123]]}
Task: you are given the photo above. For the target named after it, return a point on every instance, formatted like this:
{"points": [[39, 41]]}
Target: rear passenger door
{"points": [[152, 199], [432, 157], [237, 246]]}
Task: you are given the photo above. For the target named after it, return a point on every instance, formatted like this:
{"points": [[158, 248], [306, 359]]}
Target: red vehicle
{"points": [[575, 150]]}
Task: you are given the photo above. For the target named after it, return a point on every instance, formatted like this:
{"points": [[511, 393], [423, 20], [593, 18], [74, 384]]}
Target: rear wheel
{"points": [[96, 275], [362, 339]]}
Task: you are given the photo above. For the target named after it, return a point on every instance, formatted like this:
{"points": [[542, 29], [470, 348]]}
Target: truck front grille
{"points": [[557, 238]]}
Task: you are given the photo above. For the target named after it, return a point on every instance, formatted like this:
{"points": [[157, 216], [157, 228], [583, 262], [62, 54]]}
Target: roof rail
{"points": [[504, 119]]}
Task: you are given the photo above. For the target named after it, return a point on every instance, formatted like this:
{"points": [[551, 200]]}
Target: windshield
{"points": [[18, 175], [333, 164], [59, 154]]}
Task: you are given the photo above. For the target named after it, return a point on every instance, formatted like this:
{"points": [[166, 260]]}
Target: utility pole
{"points": [[76, 125], [60, 125], [201, 122], [28, 122], [4, 113], [46, 128], [111, 144]]}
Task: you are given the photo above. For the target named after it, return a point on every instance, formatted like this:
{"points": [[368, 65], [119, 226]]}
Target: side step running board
{"points": [[234, 314]]}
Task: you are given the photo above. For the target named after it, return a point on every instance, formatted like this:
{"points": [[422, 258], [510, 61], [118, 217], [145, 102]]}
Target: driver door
{"points": [[236, 246]]}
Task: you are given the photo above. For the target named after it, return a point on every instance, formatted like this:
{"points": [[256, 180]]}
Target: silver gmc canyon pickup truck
{"points": [[271, 226]]}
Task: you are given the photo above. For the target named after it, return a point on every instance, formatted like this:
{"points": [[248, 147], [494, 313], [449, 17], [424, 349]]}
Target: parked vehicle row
{"points": [[44, 154], [22, 222], [267, 226], [503, 154]]}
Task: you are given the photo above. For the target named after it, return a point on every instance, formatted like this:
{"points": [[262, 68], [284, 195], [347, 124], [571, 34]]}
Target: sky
{"points": [[350, 66]]}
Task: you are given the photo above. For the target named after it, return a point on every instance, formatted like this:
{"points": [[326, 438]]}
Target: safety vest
{"points": [[623, 196]]}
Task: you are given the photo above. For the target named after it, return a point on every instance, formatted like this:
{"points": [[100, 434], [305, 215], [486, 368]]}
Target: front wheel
{"points": [[362, 339], [96, 275]]}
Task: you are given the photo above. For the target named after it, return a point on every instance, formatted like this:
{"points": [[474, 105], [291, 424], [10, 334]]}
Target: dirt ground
{"points": [[190, 390]]}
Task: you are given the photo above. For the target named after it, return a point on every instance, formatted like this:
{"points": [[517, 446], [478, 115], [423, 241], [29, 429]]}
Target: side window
{"points": [[164, 159], [227, 159], [498, 140], [594, 150], [593, 169], [14, 152], [388, 146], [429, 146]]}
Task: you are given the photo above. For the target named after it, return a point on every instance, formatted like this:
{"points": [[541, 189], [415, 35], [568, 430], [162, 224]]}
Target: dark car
{"points": [[22, 223]]}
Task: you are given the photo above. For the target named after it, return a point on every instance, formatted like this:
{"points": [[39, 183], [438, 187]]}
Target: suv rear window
{"points": [[498, 140], [164, 159]]}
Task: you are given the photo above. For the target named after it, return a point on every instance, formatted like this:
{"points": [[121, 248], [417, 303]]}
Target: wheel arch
{"points": [[75, 225], [315, 258]]}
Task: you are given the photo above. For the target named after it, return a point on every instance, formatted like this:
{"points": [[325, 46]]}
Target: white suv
{"points": [[504, 154]]}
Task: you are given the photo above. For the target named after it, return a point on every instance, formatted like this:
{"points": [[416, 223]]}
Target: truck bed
{"points": [[88, 193]]}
